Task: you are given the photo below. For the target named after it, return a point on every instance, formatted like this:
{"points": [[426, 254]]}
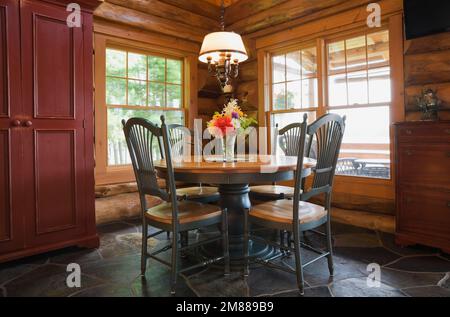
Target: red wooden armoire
{"points": [[46, 128]]}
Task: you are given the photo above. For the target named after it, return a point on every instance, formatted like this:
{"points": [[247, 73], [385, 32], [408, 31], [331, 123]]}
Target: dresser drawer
{"points": [[424, 164], [424, 212], [437, 132]]}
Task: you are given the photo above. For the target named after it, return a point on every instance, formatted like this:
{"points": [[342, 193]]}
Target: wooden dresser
{"points": [[423, 183]]}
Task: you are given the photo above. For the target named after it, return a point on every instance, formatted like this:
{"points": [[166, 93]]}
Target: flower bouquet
{"points": [[227, 124]]}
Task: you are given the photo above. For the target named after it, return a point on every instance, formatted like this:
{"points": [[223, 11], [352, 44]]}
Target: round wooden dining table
{"points": [[233, 180]]}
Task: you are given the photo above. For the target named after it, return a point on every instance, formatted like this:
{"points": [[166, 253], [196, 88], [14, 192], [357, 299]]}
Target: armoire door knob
{"points": [[28, 123], [16, 123]]}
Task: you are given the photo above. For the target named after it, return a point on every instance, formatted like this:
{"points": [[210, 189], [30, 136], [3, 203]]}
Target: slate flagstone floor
{"points": [[114, 270]]}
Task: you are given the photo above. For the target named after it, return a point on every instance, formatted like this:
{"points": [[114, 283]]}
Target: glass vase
{"points": [[228, 146]]}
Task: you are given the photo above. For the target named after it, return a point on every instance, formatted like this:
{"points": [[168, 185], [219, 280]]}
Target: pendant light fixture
{"points": [[223, 51]]}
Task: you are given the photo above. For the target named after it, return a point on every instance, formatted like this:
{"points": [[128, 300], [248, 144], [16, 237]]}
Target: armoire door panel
{"points": [[53, 68], [5, 187], [54, 144], [4, 109], [55, 188], [11, 177]]}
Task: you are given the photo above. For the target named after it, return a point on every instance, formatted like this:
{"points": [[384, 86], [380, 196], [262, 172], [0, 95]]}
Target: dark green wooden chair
{"points": [[172, 215], [297, 215]]}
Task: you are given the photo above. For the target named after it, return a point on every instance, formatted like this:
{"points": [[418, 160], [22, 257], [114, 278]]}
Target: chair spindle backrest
{"points": [[140, 134], [327, 132]]}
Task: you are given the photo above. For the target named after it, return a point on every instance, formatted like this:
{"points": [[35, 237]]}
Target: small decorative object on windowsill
{"points": [[428, 104], [227, 125]]}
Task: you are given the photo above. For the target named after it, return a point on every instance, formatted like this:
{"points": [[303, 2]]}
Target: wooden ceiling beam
{"points": [[168, 11], [199, 7], [123, 15], [291, 13], [245, 8]]}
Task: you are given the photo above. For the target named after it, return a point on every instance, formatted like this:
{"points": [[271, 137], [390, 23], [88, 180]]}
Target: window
{"points": [[140, 85], [356, 82], [294, 80], [359, 86]]}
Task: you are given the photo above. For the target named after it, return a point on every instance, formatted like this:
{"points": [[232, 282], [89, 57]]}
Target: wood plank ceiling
{"points": [[193, 19]]}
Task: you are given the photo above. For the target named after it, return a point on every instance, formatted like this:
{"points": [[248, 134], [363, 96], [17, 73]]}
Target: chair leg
{"points": [[298, 262], [144, 247], [246, 240], [330, 248], [174, 268], [288, 243], [184, 241], [168, 235], [226, 249], [282, 235]]}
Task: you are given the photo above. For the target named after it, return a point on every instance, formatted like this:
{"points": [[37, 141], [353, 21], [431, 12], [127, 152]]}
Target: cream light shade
{"points": [[220, 42]]}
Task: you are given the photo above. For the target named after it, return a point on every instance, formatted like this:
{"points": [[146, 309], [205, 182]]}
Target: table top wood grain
{"points": [[248, 165]]}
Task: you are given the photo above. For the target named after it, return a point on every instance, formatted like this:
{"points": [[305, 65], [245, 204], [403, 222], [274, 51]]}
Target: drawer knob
{"points": [[409, 153], [448, 204], [408, 132], [447, 131]]}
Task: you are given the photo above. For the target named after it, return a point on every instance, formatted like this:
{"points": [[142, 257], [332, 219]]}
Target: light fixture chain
{"points": [[222, 16]]}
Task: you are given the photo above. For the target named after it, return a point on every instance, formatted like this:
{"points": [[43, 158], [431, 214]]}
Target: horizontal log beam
{"points": [[137, 34], [427, 68], [311, 26], [200, 7], [280, 13], [168, 11], [119, 14], [244, 8]]}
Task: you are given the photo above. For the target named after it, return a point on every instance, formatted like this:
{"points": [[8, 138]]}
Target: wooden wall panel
{"points": [[56, 199], [53, 68], [427, 66], [5, 190], [3, 65]]}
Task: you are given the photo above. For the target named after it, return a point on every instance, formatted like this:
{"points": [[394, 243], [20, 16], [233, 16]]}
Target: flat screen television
{"points": [[426, 17]]}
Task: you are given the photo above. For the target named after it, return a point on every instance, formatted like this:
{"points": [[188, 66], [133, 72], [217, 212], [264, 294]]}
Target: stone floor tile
{"points": [[422, 264], [377, 255], [401, 279], [74, 255], [427, 291], [356, 240], [48, 280], [13, 270], [357, 287], [320, 291], [388, 241], [106, 290]]}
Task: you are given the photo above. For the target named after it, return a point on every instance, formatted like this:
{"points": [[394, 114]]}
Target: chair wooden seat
{"points": [[198, 192], [281, 211], [273, 191], [188, 212]]}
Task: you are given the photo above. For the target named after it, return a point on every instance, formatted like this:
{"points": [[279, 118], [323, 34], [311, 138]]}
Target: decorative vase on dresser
{"points": [[423, 183], [46, 128]]}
